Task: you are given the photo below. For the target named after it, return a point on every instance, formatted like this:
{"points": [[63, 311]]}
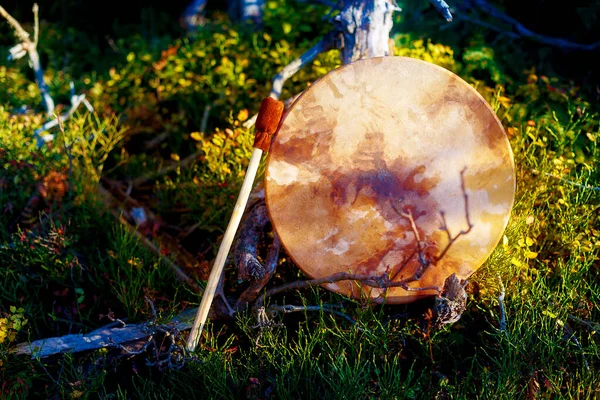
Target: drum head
{"points": [[376, 139]]}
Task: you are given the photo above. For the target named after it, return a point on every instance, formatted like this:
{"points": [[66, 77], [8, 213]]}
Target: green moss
{"points": [[153, 98]]}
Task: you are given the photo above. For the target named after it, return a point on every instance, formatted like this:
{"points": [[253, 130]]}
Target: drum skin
{"points": [[376, 139]]}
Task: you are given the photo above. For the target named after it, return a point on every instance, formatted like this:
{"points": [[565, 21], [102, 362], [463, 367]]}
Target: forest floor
{"points": [[167, 137]]}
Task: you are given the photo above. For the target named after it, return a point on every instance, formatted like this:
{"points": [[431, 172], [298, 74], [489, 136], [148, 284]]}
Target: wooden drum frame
{"points": [[376, 140]]}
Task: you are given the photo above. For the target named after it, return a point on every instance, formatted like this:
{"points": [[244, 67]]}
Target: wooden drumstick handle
{"points": [[267, 123]]}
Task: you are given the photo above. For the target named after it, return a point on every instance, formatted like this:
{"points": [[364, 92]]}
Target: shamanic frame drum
{"points": [[371, 142]]}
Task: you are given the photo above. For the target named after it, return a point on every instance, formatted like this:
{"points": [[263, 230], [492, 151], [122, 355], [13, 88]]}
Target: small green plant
{"points": [[11, 324]]}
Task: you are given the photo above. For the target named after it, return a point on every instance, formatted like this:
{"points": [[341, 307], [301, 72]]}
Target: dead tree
{"points": [[245, 11]]}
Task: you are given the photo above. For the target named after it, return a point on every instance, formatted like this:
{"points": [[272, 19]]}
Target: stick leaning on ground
{"points": [[267, 123]]}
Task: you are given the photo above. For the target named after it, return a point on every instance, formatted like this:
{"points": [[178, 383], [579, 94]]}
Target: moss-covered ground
{"points": [[168, 130]]}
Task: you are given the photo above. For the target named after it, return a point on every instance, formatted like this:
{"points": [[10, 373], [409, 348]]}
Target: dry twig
{"points": [[381, 282], [501, 304], [590, 325], [288, 308]]}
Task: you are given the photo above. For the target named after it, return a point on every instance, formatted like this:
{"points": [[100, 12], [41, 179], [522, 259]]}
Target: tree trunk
{"points": [[246, 11], [365, 27]]}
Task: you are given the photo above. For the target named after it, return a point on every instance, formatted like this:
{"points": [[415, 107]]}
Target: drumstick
{"points": [[266, 125]]}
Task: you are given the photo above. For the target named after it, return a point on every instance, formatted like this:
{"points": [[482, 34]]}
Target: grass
{"points": [[69, 263]]}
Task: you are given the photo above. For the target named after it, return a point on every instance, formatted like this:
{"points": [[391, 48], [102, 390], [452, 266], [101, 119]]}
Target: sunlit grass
{"points": [[79, 264]]}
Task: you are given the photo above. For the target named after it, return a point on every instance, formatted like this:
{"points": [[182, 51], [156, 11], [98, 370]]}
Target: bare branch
{"points": [[156, 140], [36, 24], [364, 29], [288, 308], [590, 325], [289, 70], [381, 282], [19, 31], [245, 251], [388, 280], [443, 8], [569, 334], [75, 102], [424, 263], [220, 293]]}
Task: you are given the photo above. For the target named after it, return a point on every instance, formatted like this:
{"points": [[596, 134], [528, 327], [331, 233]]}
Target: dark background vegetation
{"points": [[99, 21]]}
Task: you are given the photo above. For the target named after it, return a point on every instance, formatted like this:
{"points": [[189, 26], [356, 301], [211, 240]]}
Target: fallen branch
{"points": [[30, 47], [102, 338], [381, 282], [125, 208], [452, 239], [245, 255]]}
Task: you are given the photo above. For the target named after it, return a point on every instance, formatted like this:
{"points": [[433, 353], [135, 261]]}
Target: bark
{"points": [[102, 338], [247, 11], [365, 27], [192, 17]]}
